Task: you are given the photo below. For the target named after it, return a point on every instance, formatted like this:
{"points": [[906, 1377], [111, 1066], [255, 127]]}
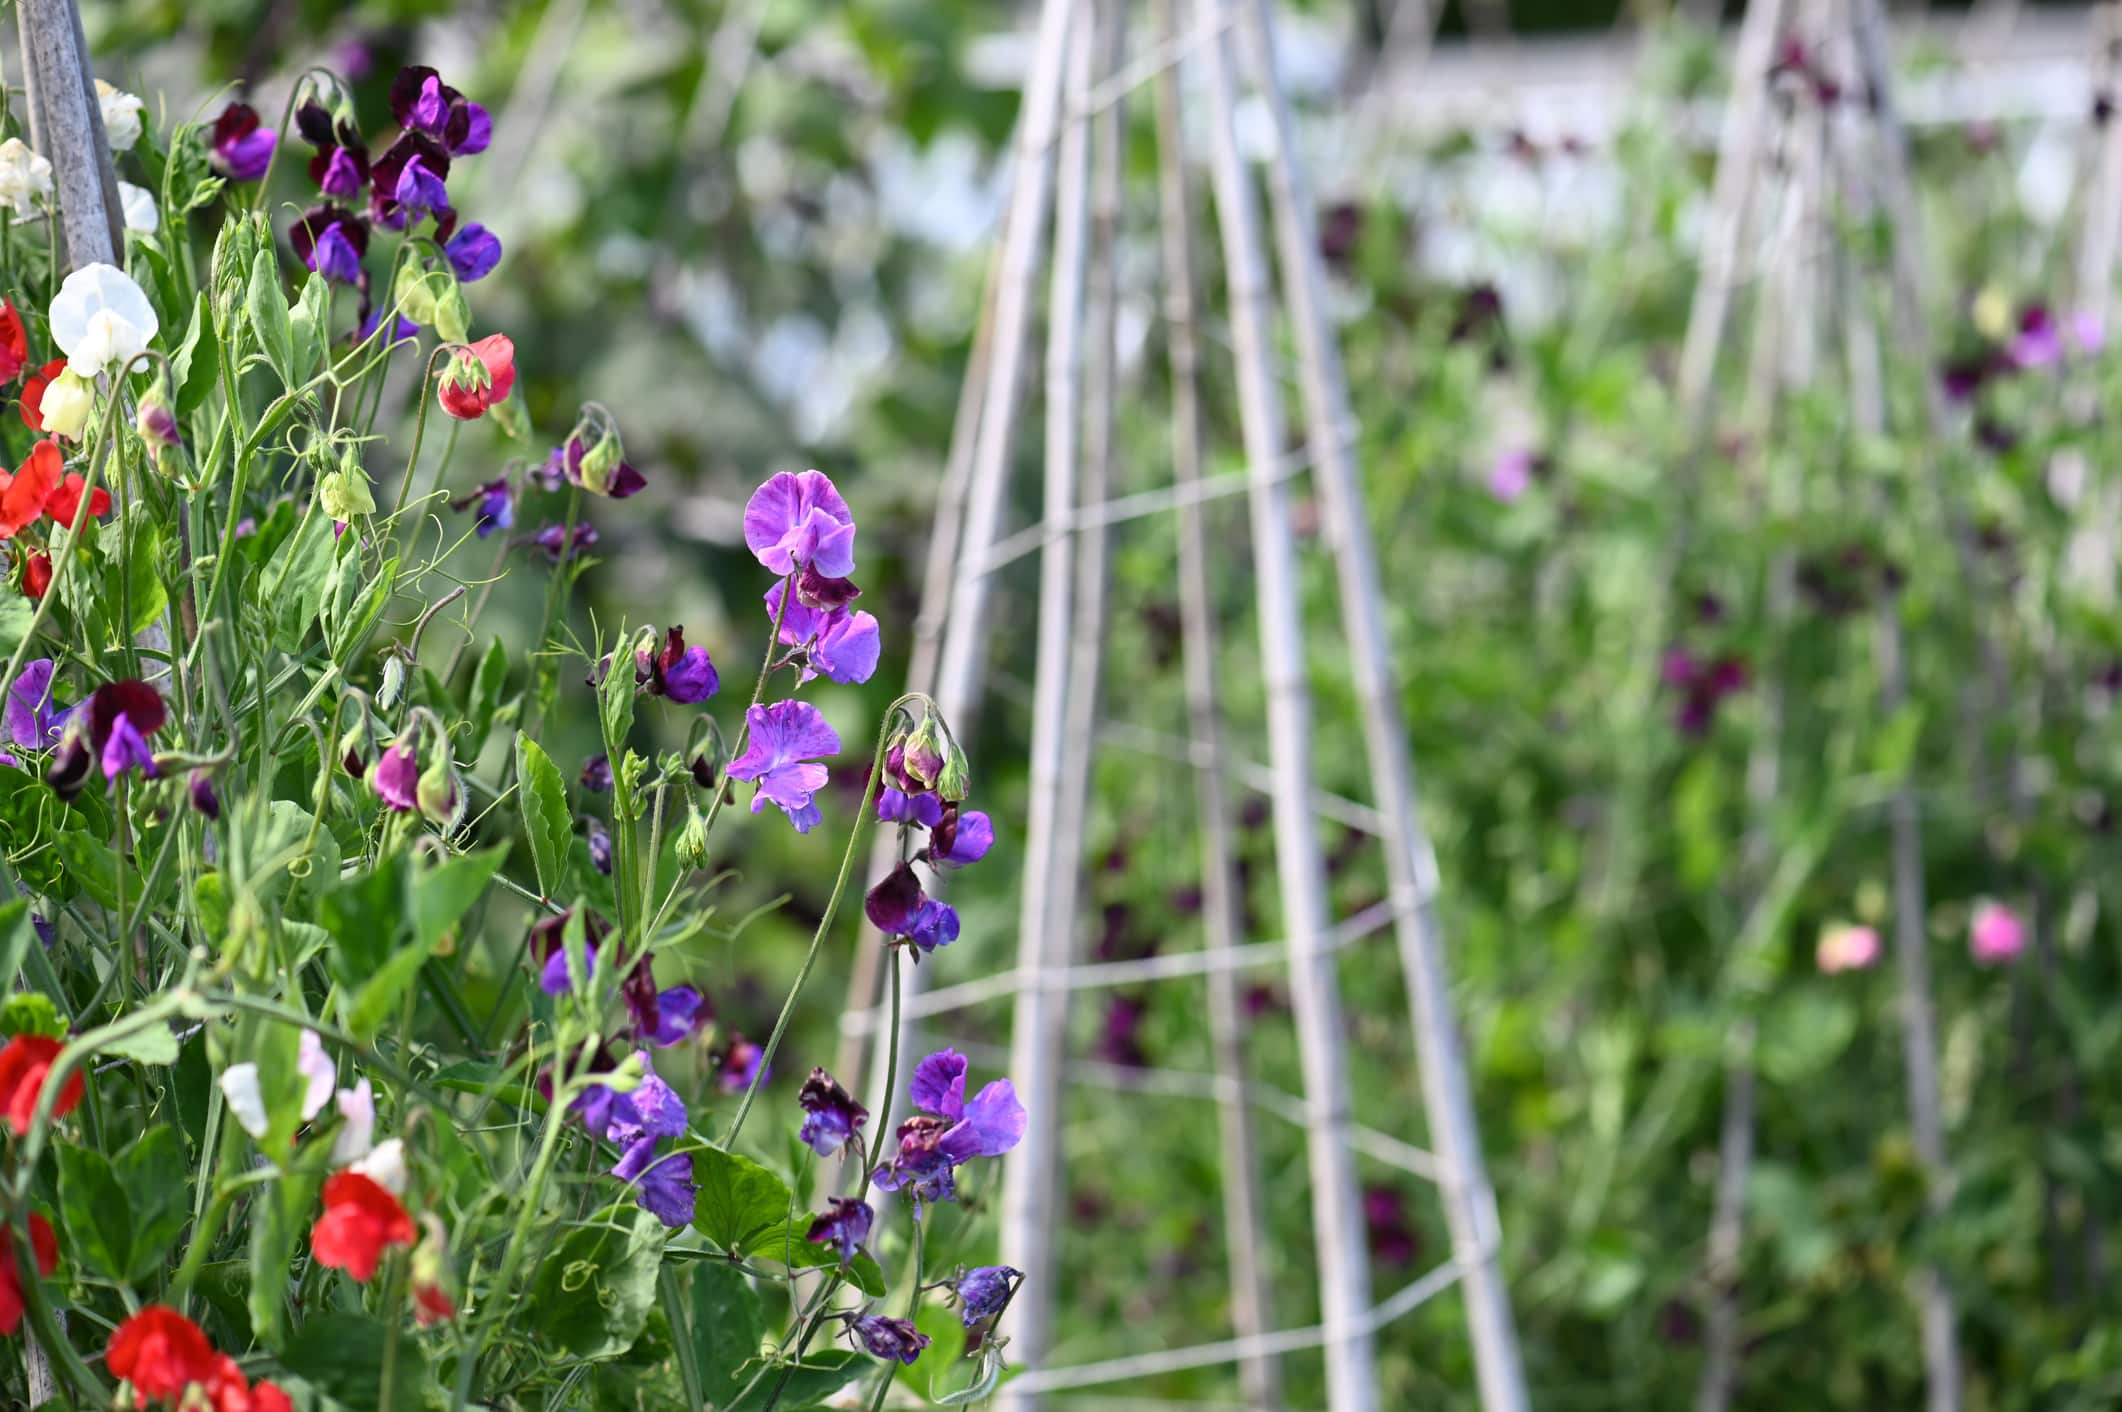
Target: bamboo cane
{"points": [[66, 124], [1030, 1176], [1344, 1274], [1244, 1219]]}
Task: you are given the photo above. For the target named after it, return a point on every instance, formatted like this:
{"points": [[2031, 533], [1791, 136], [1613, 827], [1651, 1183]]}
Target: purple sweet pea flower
{"points": [[126, 749], [984, 1291], [31, 721], [473, 252], [783, 742], [684, 674], [889, 1338], [799, 521], [557, 543], [743, 1064], [665, 1189], [831, 1114], [332, 241], [841, 643], [2039, 340], [934, 925], [844, 1227], [203, 798], [652, 1109], [680, 1012], [496, 501], [343, 175], [403, 328], [478, 130], [419, 189], [896, 900], [974, 835], [600, 846], [333, 257], [896, 806], [950, 1130], [396, 777], [554, 978], [240, 149]]}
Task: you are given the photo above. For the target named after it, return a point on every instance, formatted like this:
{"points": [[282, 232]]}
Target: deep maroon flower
{"points": [[1392, 1236], [983, 1292], [783, 743], [201, 787], [601, 469], [241, 150], [663, 1017], [844, 1227], [799, 521], [684, 674], [1340, 225], [967, 842], [340, 164], [894, 902], [385, 206], [888, 1338], [423, 103], [496, 501], [473, 252], [332, 241], [1120, 1036], [831, 1114], [742, 1065]]}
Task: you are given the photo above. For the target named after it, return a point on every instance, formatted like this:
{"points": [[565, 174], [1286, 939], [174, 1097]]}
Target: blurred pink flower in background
{"points": [[1995, 934], [1511, 475], [1846, 948]]}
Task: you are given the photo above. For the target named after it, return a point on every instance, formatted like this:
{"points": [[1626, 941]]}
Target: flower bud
{"points": [[955, 781], [599, 462], [692, 839], [924, 752], [67, 402], [202, 793], [393, 685], [437, 791], [628, 1076], [156, 419], [344, 494]]}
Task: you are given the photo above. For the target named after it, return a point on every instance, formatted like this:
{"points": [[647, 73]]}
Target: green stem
{"points": [[50, 1337]]}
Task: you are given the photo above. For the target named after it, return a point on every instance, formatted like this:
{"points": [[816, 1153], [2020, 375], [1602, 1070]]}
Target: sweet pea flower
{"points": [[31, 721], [357, 1118], [24, 494], [64, 503], [25, 179], [665, 1189], [159, 1352], [496, 501], [14, 342], [842, 643], [844, 1227], [332, 241], [419, 189], [385, 206], [396, 778], [241, 149], [361, 1221], [832, 1117], [958, 839], [2038, 341], [65, 404], [889, 1338], [25, 1063], [742, 1065], [142, 215], [953, 1131], [1995, 934], [684, 674], [101, 320], [1510, 475], [473, 252], [1846, 948], [559, 542], [782, 743], [423, 103], [340, 164], [121, 116], [478, 377], [44, 1244], [896, 806], [983, 1292], [799, 521]]}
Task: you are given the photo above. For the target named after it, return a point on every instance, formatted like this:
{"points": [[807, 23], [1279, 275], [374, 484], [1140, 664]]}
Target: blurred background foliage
{"points": [[756, 232]]}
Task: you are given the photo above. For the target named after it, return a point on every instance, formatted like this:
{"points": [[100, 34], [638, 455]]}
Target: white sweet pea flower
{"points": [[357, 1105], [141, 213], [239, 1085], [385, 1166], [316, 1066], [68, 400], [121, 115], [25, 179], [101, 320]]}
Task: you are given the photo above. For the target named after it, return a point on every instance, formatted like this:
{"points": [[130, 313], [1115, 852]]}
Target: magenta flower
{"points": [[1995, 934], [782, 743], [396, 777], [241, 150], [839, 642], [1846, 948], [2038, 342], [799, 521], [1511, 474]]}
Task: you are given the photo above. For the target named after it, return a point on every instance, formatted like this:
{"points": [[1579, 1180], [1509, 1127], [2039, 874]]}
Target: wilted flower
{"points": [[798, 521], [888, 1338], [25, 179], [1995, 934], [101, 320], [844, 1227], [982, 1292], [831, 1114], [782, 743], [241, 149], [121, 116], [1846, 948], [958, 1130], [478, 377]]}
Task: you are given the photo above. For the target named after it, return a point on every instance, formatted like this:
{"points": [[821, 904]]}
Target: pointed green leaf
{"points": [[197, 363], [545, 815], [266, 304]]}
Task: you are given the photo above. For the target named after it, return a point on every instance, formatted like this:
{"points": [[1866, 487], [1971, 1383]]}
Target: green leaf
{"points": [[545, 816], [266, 304], [17, 934], [615, 703], [198, 359], [296, 579], [310, 326], [99, 1223], [738, 1199], [816, 1378], [343, 1354], [91, 866], [728, 1324], [15, 614], [1803, 1032], [155, 1177], [280, 1217], [593, 1293], [787, 1243], [441, 895], [487, 684], [31, 1012], [156, 1044], [354, 625], [143, 548]]}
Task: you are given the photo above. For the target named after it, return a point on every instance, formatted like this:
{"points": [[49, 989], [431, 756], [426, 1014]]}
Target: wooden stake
{"points": [[66, 125]]}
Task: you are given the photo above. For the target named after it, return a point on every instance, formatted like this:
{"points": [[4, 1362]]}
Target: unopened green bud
{"points": [[692, 839], [344, 494], [599, 462], [956, 779], [437, 793], [393, 687], [924, 751]]}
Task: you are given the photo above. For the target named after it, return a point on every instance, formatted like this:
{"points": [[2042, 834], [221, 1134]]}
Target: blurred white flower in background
{"points": [[141, 213], [121, 115], [24, 178]]}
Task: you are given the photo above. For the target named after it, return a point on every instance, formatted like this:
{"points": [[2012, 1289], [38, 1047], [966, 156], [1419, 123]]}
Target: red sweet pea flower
{"points": [[161, 1353], [14, 344], [478, 377], [432, 1305], [24, 1064], [37, 573], [33, 393], [360, 1221], [24, 494], [65, 501], [46, 1246]]}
